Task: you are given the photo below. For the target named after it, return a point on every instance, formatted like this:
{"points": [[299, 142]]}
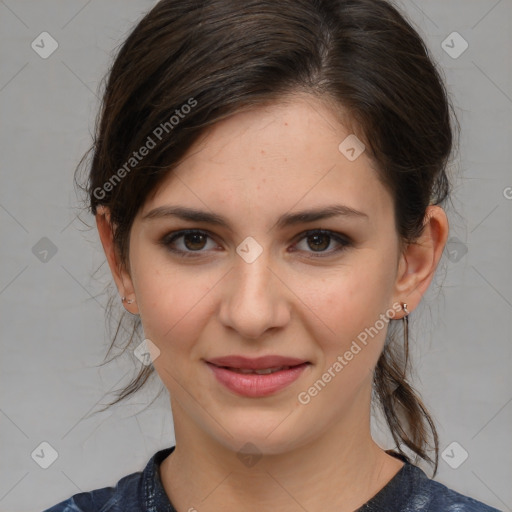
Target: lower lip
{"points": [[254, 385]]}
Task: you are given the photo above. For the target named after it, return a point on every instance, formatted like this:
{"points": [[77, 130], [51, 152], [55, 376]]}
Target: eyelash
{"points": [[168, 239]]}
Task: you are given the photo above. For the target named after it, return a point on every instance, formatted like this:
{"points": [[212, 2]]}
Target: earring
{"points": [[405, 321], [123, 299]]}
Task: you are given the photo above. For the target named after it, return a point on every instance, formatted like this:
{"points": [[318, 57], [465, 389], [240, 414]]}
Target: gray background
{"points": [[52, 305]]}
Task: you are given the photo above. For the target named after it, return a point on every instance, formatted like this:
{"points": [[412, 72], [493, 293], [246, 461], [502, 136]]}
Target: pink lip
{"points": [[254, 385]]}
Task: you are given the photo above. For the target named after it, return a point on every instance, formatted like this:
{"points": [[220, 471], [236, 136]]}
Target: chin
{"points": [[264, 439]]}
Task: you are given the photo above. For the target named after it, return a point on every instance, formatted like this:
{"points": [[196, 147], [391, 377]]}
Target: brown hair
{"points": [[217, 57]]}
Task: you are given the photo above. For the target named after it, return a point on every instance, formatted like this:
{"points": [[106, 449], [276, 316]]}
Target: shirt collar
{"points": [[154, 497]]}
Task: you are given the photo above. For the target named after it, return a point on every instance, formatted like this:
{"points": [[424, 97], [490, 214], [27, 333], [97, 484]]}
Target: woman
{"points": [[267, 180]]}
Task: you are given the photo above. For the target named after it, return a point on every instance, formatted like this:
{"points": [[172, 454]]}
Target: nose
{"points": [[256, 299]]}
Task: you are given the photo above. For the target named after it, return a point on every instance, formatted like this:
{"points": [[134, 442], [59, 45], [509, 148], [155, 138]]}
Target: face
{"points": [[266, 281]]}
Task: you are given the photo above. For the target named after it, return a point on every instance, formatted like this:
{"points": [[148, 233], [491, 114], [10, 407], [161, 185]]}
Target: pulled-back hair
{"points": [[190, 63]]}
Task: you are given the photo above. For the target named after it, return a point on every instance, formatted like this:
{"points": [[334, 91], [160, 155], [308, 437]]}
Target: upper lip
{"points": [[258, 363]]}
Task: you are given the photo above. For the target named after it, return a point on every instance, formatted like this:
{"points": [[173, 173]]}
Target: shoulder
{"points": [[448, 500], [431, 496], [131, 494], [123, 497]]}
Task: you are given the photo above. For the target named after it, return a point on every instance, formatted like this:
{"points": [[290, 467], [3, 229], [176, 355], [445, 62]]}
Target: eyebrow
{"points": [[285, 220]]}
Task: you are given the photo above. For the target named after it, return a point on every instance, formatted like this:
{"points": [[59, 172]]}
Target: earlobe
{"points": [[121, 276], [420, 258]]}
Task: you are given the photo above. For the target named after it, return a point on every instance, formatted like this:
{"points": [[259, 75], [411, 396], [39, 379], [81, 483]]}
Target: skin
{"points": [[251, 168]]}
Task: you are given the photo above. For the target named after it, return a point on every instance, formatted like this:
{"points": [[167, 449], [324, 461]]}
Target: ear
{"points": [[119, 273], [420, 258]]}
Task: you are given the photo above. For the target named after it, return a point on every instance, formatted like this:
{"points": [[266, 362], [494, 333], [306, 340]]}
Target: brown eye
{"points": [[188, 243], [194, 241], [318, 241]]}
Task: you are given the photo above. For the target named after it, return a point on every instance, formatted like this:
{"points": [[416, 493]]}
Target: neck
{"points": [[338, 471]]}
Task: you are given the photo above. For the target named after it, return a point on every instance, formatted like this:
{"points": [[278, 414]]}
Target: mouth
{"points": [[268, 363], [257, 377], [263, 371]]}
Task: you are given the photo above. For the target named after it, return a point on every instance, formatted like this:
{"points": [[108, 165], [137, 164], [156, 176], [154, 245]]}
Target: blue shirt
{"points": [[410, 490]]}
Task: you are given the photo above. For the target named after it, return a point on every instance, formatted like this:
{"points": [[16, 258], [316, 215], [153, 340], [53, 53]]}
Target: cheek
{"points": [[351, 301], [173, 316], [173, 306], [351, 306]]}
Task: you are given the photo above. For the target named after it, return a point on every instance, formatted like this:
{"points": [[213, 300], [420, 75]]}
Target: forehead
{"points": [[273, 157]]}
